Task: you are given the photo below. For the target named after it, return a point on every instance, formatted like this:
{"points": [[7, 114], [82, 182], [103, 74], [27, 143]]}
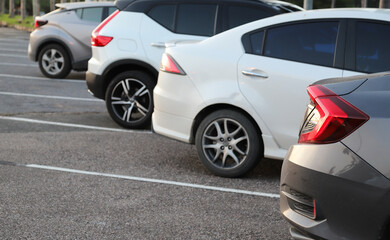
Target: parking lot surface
{"points": [[67, 171]]}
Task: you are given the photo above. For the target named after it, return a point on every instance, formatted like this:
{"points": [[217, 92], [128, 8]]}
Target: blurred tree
{"points": [[36, 8], [2, 6], [384, 3], [52, 5], [23, 9], [11, 7]]}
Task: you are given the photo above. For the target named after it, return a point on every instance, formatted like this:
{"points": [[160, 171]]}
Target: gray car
{"points": [[335, 182], [61, 40]]}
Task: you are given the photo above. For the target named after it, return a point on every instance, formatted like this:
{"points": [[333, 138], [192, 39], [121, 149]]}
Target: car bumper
{"points": [[350, 197], [95, 84], [176, 103]]}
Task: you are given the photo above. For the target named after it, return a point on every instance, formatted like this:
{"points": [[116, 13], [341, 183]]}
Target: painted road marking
{"points": [[12, 55], [13, 50], [61, 124], [43, 79], [51, 97], [152, 180], [18, 65]]}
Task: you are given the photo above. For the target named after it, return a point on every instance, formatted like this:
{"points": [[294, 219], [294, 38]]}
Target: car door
{"points": [[168, 24], [277, 67]]}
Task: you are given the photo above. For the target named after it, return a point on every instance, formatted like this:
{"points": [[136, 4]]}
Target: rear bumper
{"points": [[350, 197], [95, 84]]}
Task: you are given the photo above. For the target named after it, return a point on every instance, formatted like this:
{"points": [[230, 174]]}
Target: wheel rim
{"points": [[225, 143], [53, 61], [131, 100]]}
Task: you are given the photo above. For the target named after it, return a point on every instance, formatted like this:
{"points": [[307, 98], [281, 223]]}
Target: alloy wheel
{"points": [[225, 143], [130, 100], [53, 61]]}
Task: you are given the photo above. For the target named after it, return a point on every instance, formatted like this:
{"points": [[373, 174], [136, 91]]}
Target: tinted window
{"points": [[256, 40], [111, 10], [312, 43], [163, 14], [372, 47], [79, 12], [238, 15], [196, 19], [90, 14]]}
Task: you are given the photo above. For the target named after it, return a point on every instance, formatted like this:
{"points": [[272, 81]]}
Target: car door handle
{"points": [[158, 44], [254, 73]]}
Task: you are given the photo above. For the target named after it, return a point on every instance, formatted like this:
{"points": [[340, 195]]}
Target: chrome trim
{"points": [[254, 74]]}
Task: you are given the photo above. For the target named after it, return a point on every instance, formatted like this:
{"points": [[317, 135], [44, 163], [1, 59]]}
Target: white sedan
{"points": [[239, 96]]}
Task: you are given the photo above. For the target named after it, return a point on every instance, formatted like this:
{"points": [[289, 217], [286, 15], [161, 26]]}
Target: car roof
{"points": [[75, 5], [335, 13], [144, 5], [321, 14]]}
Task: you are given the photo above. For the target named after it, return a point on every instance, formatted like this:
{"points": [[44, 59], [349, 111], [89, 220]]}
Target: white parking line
{"points": [[43, 79], [151, 180], [14, 50], [13, 55], [19, 65], [51, 97], [13, 39], [72, 125]]}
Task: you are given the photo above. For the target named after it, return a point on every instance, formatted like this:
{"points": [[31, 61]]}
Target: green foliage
{"points": [[44, 5], [17, 20]]}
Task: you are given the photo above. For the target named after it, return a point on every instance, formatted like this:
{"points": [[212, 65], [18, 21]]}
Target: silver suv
{"points": [[61, 40]]}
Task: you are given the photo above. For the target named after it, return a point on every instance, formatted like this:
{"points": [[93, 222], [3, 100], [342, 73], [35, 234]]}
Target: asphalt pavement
{"points": [[67, 171]]}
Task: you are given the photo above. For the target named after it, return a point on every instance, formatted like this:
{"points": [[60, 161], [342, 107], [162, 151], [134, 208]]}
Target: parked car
{"points": [[61, 40], [127, 47], [335, 182], [239, 95]]}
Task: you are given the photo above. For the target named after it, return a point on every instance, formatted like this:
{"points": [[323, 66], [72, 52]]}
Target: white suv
{"points": [[127, 46]]}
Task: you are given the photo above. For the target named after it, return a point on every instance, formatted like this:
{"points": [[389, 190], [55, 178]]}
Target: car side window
{"points": [[238, 15], [372, 47], [111, 10], [164, 15], [256, 42], [93, 14], [312, 43], [79, 12], [196, 19]]}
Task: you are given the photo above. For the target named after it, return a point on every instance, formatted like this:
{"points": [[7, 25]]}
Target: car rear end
{"points": [[335, 182], [43, 30], [113, 40]]}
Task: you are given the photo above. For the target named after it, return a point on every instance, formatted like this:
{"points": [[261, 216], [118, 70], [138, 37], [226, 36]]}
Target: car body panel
{"points": [[347, 192], [115, 51], [372, 139], [290, 86], [154, 43]]}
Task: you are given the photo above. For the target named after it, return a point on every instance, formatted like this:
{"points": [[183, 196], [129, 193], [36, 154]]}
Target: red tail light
{"points": [[168, 64], [98, 40], [329, 118], [38, 23]]}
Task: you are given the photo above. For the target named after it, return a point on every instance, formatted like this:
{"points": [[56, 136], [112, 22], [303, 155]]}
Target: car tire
{"points": [[54, 61], [228, 143], [129, 99]]}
